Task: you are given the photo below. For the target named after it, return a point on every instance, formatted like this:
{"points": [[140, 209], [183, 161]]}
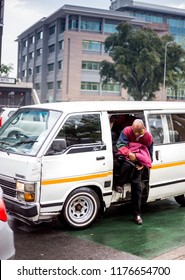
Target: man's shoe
{"points": [[138, 220]]}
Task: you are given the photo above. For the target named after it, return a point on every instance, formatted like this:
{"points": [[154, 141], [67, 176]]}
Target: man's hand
{"points": [[139, 167], [132, 157]]}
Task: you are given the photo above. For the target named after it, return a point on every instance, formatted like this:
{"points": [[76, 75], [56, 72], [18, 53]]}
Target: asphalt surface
{"points": [[51, 242], [113, 237]]}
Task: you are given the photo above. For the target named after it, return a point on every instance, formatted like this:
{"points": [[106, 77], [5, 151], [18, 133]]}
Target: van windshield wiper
{"points": [[24, 142], [2, 143], [5, 146]]}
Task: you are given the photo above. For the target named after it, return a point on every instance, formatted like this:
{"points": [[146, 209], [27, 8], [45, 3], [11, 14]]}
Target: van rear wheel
{"points": [[81, 208], [180, 199]]}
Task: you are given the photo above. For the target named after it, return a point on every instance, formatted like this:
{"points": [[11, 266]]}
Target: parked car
{"points": [[7, 248], [5, 113]]}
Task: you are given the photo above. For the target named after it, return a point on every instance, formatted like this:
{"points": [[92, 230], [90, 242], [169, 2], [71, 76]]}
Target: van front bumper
{"points": [[26, 211]]}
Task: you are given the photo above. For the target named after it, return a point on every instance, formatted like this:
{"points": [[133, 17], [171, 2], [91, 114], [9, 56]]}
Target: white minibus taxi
{"points": [[57, 158]]}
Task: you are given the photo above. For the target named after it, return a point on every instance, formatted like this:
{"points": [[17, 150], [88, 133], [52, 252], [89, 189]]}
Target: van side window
{"points": [[178, 127], [156, 128], [81, 129]]}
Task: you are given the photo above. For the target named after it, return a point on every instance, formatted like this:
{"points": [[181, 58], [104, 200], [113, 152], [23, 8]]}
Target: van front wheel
{"points": [[81, 208], [180, 199]]}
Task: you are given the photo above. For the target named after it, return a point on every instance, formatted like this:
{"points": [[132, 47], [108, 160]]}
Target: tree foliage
{"points": [[138, 61], [5, 69]]}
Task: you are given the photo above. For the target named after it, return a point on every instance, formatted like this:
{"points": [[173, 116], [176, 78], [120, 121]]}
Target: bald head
{"points": [[138, 127], [138, 123]]}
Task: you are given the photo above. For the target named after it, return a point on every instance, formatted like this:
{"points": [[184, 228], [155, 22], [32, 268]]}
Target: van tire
{"points": [[180, 199], [80, 208]]}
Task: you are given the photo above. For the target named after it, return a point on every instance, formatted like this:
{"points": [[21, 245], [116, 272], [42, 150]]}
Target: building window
{"points": [[61, 45], [73, 22], [90, 86], [39, 35], [50, 85], [37, 86], [31, 55], [59, 84], [91, 25], [110, 28], [90, 65], [24, 58], [50, 67], [62, 26], [39, 52], [51, 48], [30, 71], [24, 73], [60, 65], [147, 17], [91, 45], [173, 95], [25, 43], [52, 30], [38, 69], [111, 87], [32, 39]]}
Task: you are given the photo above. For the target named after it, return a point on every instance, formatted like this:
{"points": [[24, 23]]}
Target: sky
{"points": [[21, 14]]}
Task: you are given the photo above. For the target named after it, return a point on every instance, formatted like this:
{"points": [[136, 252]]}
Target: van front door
{"points": [[85, 162]]}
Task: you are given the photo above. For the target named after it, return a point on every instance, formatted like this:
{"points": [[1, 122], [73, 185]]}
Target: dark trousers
{"points": [[136, 191], [129, 173]]}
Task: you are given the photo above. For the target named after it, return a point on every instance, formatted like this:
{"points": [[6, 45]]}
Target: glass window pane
{"points": [[81, 129], [178, 127], [156, 128]]}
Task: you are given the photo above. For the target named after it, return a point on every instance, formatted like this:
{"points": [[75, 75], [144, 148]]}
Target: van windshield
{"points": [[26, 130]]}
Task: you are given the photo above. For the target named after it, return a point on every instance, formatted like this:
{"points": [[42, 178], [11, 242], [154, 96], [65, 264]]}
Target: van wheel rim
{"points": [[81, 209]]}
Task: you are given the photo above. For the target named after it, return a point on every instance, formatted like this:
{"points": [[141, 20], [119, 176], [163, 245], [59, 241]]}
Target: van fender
{"points": [[91, 185]]}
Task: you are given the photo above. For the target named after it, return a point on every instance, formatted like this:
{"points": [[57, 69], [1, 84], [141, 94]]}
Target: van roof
{"points": [[77, 106]]}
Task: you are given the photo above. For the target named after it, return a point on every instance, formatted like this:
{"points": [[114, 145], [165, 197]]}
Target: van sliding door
{"points": [[167, 176]]}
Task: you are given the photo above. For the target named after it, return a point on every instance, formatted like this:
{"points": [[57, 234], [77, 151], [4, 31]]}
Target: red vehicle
{"points": [[5, 113], [7, 249]]}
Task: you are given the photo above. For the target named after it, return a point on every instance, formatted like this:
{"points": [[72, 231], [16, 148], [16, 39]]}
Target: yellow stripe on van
{"points": [[102, 175], [171, 164], [73, 179]]}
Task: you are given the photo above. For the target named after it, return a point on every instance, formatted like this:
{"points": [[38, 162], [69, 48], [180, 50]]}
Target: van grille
{"points": [[9, 188]]}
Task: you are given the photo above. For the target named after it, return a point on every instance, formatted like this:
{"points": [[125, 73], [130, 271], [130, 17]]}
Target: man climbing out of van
{"points": [[136, 144]]}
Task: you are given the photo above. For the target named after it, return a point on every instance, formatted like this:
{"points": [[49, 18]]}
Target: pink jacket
{"points": [[141, 152]]}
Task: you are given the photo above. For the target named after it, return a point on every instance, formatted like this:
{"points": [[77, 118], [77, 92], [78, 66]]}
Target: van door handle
{"points": [[157, 155], [100, 158]]}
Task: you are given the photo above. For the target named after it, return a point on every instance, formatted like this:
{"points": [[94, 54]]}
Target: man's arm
{"points": [[122, 140], [122, 146]]}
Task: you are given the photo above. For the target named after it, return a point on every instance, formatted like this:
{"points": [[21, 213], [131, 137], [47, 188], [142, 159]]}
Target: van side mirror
{"points": [[57, 146]]}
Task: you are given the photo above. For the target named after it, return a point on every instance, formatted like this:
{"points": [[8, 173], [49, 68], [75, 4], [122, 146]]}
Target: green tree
{"points": [[5, 69], [138, 61], [175, 67]]}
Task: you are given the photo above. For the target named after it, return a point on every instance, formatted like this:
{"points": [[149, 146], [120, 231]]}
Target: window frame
{"points": [[72, 138]]}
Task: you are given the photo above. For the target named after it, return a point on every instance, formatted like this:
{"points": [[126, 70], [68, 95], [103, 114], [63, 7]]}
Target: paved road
{"points": [[115, 236], [51, 242]]}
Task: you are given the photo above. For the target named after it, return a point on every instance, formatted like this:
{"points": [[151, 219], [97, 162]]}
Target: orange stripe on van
{"points": [[165, 165], [102, 175], [73, 179]]}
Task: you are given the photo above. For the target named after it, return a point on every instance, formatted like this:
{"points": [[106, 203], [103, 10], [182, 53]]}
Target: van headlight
{"points": [[25, 191]]}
